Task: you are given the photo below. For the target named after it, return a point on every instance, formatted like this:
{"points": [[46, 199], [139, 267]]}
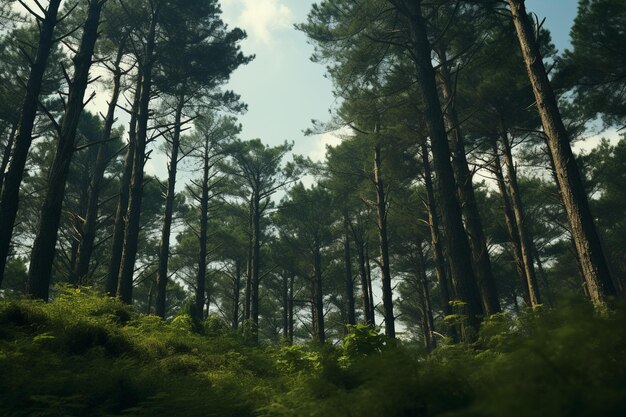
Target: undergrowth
{"points": [[85, 355]]}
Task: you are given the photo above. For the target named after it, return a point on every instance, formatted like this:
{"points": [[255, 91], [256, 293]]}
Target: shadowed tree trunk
{"points": [[381, 206], [133, 215], [89, 226], [9, 201], [429, 321], [6, 157], [255, 264], [164, 247], [248, 292], [285, 303], [365, 294], [520, 222], [42, 256], [511, 225], [236, 291], [473, 222], [119, 226], [351, 316], [292, 278], [592, 260], [318, 300], [433, 223], [368, 268], [457, 245]]}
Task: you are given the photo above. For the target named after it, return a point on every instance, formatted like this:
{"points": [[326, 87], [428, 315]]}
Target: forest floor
{"points": [[83, 355]]}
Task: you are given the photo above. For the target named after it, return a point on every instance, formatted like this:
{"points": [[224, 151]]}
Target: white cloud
{"points": [[260, 18], [328, 139]]}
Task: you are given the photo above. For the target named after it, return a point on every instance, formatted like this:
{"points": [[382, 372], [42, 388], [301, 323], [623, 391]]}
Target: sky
{"points": [[284, 90]]}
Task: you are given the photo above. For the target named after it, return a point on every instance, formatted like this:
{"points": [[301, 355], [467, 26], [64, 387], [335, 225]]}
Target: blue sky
{"points": [[285, 90]]}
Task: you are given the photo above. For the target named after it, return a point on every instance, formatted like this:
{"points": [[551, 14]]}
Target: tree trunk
{"points": [[42, 255], [204, 225], [435, 242], [133, 215], [164, 247], [256, 253], [318, 297], [291, 282], [89, 226], [365, 293], [285, 303], [236, 290], [593, 262], [473, 222], [520, 221], [248, 292], [119, 226], [457, 246], [9, 201], [368, 268], [511, 226], [6, 157], [429, 320], [348, 265], [381, 205]]}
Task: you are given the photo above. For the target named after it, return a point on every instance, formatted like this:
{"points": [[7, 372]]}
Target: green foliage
{"points": [[83, 355]]}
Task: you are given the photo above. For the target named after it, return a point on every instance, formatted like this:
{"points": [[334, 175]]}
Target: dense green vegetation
{"points": [[459, 252], [83, 355]]}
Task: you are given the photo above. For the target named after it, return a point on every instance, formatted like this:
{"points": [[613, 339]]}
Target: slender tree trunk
{"points": [[368, 268], [431, 343], [131, 232], [89, 226], [42, 256], [256, 253], [6, 157], [457, 246], [164, 247], [119, 226], [542, 275], [9, 201], [511, 226], [291, 317], [248, 292], [473, 222], [365, 293], [204, 226], [381, 205], [520, 221], [593, 262], [318, 300], [348, 265], [285, 302], [236, 290], [435, 242]]}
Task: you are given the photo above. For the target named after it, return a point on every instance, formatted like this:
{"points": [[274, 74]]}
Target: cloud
{"points": [[260, 18], [325, 140]]}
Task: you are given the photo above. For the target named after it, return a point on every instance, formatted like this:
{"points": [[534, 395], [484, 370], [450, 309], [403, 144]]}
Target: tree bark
{"points": [[457, 245], [469, 207], [520, 221], [119, 226], [429, 320], [89, 226], [291, 283], [511, 226], [381, 206], [351, 315], [42, 256], [204, 225], [588, 246], [285, 303], [133, 216], [236, 290], [368, 268], [9, 202], [365, 293], [318, 300], [256, 254], [164, 247], [435, 242], [6, 157]]}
